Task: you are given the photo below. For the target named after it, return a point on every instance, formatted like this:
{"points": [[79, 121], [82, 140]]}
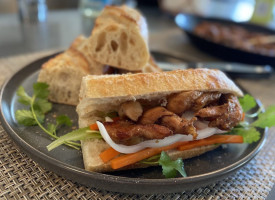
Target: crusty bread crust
{"points": [[106, 93], [120, 38], [154, 83]]}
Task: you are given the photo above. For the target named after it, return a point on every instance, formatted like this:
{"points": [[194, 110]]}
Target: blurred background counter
{"points": [[63, 20]]}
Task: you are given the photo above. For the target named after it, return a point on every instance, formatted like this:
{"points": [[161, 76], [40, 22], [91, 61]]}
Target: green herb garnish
{"points": [[170, 168], [60, 120], [248, 130], [77, 135], [266, 119], [249, 134], [247, 102], [39, 106]]}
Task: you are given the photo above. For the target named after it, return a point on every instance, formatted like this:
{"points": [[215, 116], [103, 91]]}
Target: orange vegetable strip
{"points": [[108, 154], [214, 139], [129, 159], [243, 116], [93, 126]]}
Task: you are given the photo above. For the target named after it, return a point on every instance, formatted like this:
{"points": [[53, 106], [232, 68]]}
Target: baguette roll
{"points": [[67, 69], [120, 38], [107, 93]]}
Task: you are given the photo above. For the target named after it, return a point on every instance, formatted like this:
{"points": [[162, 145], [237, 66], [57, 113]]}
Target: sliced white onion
{"points": [[207, 132], [153, 143]]}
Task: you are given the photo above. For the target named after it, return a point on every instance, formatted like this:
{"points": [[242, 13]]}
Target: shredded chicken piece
{"points": [[126, 132], [180, 125], [192, 100], [178, 103], [169, 119], [132, 109], [206, 99], [225, 116], [152, 115]]}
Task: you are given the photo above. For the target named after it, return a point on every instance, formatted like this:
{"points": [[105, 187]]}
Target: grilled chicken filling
{"points": [[137, 123], [129, 133], [224, 116]]}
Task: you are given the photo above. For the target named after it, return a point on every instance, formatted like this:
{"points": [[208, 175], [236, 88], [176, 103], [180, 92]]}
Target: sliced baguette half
{"points": [[65, 69], [120, 38], [64, 72]]}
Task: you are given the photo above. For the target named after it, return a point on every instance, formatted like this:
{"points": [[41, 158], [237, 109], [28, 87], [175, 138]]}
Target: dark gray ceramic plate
{"points": [[67, 162]]}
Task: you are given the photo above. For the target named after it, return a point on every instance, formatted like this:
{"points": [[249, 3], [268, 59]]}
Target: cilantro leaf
{"points": [[39, 115], [40, 90], [63, 120], [266, 119], [60, 120], [38, 106], [247, 102], [43, 105], [25, 117], [170, 168], [24, 98], [249, 134], [51, 128]]}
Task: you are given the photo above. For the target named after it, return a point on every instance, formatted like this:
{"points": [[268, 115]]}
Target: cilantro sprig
{"points": [[249, 131], [38, 107], [170, 168], [76, 135], [247, 102]]}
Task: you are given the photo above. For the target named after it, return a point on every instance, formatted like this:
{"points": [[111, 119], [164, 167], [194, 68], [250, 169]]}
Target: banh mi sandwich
{"points": [[159, 111], [118, 44]]}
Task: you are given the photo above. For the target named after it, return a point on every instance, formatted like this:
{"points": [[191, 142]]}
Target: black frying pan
{"points": [[188, 22]]}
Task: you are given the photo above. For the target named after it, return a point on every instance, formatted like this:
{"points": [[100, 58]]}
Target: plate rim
{"points": [[39, 156]]}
